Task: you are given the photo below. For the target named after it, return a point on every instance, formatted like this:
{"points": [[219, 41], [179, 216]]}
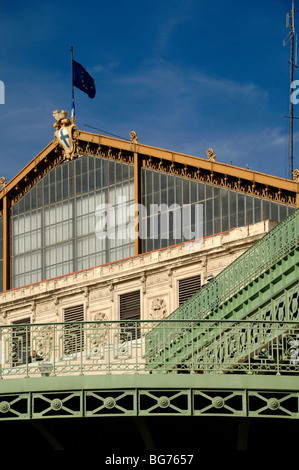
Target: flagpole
{"points": [[73, 96]]}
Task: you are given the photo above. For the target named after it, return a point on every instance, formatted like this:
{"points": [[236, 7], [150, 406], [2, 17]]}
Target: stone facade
{"points": [[155, 274]]}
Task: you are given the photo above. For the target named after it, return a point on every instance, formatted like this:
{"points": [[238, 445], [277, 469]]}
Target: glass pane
{"points": [[217, 219], [241, 211], [178, 191], [224, 210], [209, 217], [282, 212], [249, 210], [186, 195], [233, 209], [274, 211], [266, 210], [257, 210]]}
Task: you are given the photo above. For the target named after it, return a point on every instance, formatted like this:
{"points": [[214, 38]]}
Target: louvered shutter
{"points": [[188, 287], [129, 309], [21, 342], [73, 331]]}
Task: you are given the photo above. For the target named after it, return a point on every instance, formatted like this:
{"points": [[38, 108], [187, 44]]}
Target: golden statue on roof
{"points": [[296, 176], [134, 137], [211, 155], [3, 182]]}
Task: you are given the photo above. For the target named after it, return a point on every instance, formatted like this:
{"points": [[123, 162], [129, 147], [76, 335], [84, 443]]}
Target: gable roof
{"points": [[200, 169]]}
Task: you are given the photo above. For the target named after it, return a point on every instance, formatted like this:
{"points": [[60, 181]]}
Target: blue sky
{"points": [[186, 75]]}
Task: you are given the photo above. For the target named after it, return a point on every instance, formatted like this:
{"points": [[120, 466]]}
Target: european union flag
{"points": [[82, 80]]}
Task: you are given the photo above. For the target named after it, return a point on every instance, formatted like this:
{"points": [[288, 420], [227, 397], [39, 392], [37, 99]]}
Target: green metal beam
{"points": [[152, 395]]}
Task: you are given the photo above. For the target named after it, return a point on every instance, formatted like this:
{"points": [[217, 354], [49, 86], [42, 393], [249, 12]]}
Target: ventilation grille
{"points": [[75, 313], [129, 309], [21, 342], [73, 332], [129, 306], [188, 287]]}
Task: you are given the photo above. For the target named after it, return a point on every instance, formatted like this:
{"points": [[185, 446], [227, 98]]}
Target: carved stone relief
{"points": [[158, 309], [100, 316]]}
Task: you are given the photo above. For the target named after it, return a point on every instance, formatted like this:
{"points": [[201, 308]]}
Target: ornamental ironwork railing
{"points": [[257, 260], [211, 347]]}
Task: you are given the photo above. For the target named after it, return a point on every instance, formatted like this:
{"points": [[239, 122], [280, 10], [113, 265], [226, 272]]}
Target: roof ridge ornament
{"points": [[211, 155], [3, 182], [134, 137], [65, 132]]}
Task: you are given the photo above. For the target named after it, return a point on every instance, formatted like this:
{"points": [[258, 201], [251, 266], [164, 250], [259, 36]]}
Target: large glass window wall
{"points": [[54, 226], [177, 214]]}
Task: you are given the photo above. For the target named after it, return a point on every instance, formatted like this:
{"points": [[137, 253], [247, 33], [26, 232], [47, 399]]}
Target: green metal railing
{"points": [[70, 348], [85, 348], [246, 347], [257, 260]]}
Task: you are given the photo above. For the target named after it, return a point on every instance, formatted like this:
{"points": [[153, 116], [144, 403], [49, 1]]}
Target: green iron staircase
{"points": [[245, 320]]}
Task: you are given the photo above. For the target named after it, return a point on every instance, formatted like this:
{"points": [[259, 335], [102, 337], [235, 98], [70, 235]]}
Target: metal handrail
{"points": [[266, 252]]}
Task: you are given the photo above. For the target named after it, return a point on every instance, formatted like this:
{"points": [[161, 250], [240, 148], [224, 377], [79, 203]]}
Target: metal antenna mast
{"points": [[290, 23]]}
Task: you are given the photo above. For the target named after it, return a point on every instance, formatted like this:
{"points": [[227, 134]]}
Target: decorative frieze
{"points": [[46, 307], [99, 293], [226, 181], [158, 279]]}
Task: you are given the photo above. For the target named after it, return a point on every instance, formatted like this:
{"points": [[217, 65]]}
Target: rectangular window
{"points": [[20, 343], [129, 309], [73, 331], [188, 287]]}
